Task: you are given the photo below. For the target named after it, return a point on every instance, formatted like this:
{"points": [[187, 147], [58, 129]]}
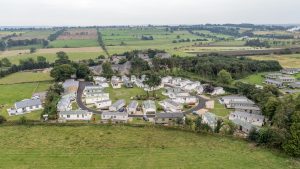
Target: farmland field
{"points": [[256, 78], [128, 147], [287, 61], [74, 43], [23, 77]]}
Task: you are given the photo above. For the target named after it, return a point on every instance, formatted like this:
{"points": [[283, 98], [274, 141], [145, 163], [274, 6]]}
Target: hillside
{"points": [[128, 147]]}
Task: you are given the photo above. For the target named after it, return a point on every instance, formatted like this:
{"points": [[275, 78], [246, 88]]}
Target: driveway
{"points": [[79, 98]]}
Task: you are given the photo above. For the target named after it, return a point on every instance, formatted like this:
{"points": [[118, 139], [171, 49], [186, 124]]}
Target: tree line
{"points": [[101, 42], [56, 34]]}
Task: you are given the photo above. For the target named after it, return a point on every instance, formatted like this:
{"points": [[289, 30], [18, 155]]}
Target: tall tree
{"points": [[224, 77], [152, 80], [107, 70], [62, 58], [62, 72]]}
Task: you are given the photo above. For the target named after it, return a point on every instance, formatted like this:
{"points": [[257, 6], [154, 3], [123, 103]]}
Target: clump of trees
{"points": [[107, 70], [257, 43], [55, 35], [147, 37], [64, 68], [52, 98], [224, 77], [283, 114]]}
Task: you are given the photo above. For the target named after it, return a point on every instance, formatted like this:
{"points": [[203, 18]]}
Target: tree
{"points": [[292, 144], [152, 80], [2, 119], [224, 77], [41, 59], [219, 126], [198, 123], [62, 58], [83, 71], [270, 107], [62, 72], [107, 70], [5, 62], [32, 50]]}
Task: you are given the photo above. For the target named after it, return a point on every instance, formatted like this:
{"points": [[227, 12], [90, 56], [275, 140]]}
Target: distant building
{"points": [[117, 105], [92, 89], [132, 107], [290, 71], [75, 115], [286, 79], [167, 118], [243, 126], [25, 106], [253, 109], [218, 91], [163, 55], [273, 75], [149, 107], [210, 119], [254, 119], [170, 105], [114, 116], [70, 86], [99, 97], [104, 104], [294, 85], [236, 101], [273, 82]]}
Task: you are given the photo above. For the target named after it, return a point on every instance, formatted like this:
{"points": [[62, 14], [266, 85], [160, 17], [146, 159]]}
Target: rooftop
{"points": [[169, 115], [72, 112], [28, 103]]}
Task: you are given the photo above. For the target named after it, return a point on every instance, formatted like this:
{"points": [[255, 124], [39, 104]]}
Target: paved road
{"points": [[79, 98], [200, 105]]}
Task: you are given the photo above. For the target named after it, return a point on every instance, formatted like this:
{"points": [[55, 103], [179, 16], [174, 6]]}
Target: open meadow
{"points": [[287, 61], [23, 77], [129, 147]]}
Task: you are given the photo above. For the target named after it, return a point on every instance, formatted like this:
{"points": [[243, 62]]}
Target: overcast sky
{"points": [[141, 12]]}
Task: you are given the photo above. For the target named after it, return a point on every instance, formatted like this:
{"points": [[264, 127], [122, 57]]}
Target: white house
{"points": [[199, 89], [253, 109], [166, 118], [104, 104], [273, 82], [186, 99], [176, 81], [25, 106], [92, 89], [218, 91], [100, 97], [191, 86], [117, 105], [124, 78], [210, 119], [70, 86], [254, 119], [184, 82], [166, 80], [243, 126], [75, 115], [290, 71], [133, 78], [170, 105], [64, 103], [139, 83], [116, 84], [132, 107], [149, 107], [227, 99], [286, 79], [114, 116], [99, 79]]}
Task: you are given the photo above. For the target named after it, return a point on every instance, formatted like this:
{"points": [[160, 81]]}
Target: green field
{"points": [[220, 109], [16, 92], [23, 77], [128, 93], [74, 43], [257, 78], [128, 147]]}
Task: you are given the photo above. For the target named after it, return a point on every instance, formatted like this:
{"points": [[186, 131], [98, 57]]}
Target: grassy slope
{"points": [[128, 147], [76, 43], [15, 92], [22, 77], [220, 109], [254, 79]]}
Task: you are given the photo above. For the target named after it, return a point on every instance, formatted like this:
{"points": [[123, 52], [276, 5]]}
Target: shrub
{"points": [[2, 119]]}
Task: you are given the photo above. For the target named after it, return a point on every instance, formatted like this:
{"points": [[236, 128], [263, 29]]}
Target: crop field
{"points": [[78, 33], [23, 77], [128, 147], [31, 34], [74, 43], [11, 93], [287, 61], [74, 54]]}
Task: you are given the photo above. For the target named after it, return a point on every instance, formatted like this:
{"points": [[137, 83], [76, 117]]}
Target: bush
{"points": [[2, 119], [23, 120]]}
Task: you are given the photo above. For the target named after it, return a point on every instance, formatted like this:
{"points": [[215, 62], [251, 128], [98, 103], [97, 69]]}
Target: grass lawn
{"points": [[128, 147], [75, 43], [128, 93], [16, 92], [220, 109], [22, 77], [256, 78]]}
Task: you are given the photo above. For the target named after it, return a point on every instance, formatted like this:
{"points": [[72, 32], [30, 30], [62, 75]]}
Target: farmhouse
{"points": [[243, 125], [132, 107], [149, 107], [170, 105], [290, 71], [75, 115], [286, 79], [248, 109], [92, 89], [163, 55], [116, 84], [210, 119], [104, 104], [133, 78], [25, 106], [218, 91], [166, 80], [295, 85], [70, 86], [273, 75], [273, 82], [117, 105], [167, 118], [65, 103], [114, 116], [254, 119], [99, 97]]}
